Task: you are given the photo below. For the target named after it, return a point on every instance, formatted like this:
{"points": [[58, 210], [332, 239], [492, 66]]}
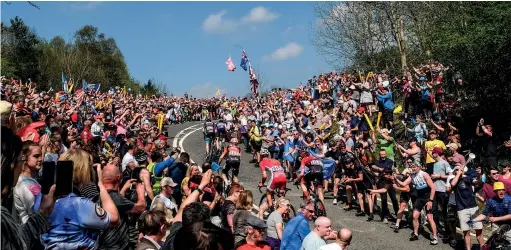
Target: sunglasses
{"points": [[496, 173], [310, 211]]}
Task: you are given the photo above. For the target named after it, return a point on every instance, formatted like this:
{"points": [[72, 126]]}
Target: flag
{"points": [[230, 65], [218, 92], [244, 60], [13, 81], [84, 84], [64, 83]]}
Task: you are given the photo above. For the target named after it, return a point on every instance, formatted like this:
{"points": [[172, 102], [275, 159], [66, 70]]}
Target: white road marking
{"points": [[178, 135], [183, 138]]}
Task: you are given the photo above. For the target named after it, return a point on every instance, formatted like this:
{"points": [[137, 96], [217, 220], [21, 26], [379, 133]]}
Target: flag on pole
{"points": [[230, 65], [218, 92], [244, 60], [64, 83], [253, 79]]}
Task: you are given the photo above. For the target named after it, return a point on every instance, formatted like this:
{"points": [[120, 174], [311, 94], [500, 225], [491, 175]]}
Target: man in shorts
{"points": [[425, 196]]}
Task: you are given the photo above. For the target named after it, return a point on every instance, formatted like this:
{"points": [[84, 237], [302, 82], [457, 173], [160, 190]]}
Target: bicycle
{"points": [[263, 200], [319, 206], [497, 240]]}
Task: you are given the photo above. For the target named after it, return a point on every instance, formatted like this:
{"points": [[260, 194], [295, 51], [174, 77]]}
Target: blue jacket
{"points": [[160, 166], [294, 233], [386, 100]]}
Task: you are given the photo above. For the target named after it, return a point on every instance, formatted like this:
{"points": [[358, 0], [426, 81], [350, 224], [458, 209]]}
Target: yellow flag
{"points": [[218, 92]]}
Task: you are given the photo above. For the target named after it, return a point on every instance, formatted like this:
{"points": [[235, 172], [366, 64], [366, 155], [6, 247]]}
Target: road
{"points": [[366, 235]]}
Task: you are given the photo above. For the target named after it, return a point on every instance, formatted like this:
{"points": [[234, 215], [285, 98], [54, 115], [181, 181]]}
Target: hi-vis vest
{"points": [[157, 180]]}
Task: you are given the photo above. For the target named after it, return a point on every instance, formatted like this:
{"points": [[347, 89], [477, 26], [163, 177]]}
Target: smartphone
{"points": [[64, 178], [47, 177]]}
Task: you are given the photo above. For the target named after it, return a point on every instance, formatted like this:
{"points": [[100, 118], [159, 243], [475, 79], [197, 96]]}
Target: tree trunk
{"points": [[402, 47]]}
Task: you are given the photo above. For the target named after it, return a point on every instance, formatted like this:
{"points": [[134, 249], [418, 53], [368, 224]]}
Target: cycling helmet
{"points": [[234, 140], [264, 152]]}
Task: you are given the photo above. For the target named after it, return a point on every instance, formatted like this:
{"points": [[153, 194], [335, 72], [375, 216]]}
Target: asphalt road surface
{"points": [[366, 235]]}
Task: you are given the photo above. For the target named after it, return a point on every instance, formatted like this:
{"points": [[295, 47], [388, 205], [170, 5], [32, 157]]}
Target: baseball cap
{"points": [[432, 131], [453, 146], [256, 222], [167, 181], [361, 109]]}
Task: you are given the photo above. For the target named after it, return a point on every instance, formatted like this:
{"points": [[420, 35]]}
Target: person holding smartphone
{"points": [[76, 222]]}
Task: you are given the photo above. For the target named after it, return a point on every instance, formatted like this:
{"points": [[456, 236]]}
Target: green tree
{"points": [[20, 48]]}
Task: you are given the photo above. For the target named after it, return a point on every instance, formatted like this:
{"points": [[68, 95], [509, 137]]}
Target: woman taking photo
{"points": [[76, 221], [27, 191]]}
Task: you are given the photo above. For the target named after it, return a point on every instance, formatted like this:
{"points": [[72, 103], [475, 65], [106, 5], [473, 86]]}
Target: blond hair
{"points": [[246, 200], [83, 174]]}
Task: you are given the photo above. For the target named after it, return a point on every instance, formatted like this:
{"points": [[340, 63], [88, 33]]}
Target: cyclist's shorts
{"points": [[209, 137], [420, 203], [235, 168], [310, 177], [277, 182]]}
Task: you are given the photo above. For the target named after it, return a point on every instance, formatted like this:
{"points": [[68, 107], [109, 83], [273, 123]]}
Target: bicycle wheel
{"points": [[319, 208]]}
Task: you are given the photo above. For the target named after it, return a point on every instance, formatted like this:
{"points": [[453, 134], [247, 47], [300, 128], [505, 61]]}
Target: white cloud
{"points": [[216, 23], [287, 51], [205, 90], [288, 29], [83, 6], [260, 15]]}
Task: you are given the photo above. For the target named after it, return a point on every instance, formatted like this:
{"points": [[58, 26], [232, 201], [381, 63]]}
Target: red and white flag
{"points": [[230, 65]]}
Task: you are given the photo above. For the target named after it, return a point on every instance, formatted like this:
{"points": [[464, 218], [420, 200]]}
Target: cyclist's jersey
{"points": [[420, 184], [313, 164], [233, 154], [273, 166], [209, 128], [220, 127]]}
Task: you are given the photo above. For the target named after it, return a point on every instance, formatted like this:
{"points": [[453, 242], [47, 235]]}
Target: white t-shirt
{"points": [[332, 246], [126, 160]]}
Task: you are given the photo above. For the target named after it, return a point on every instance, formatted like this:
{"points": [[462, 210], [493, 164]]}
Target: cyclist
{"points": [[233, 153], [278, 178], [221, 130], [209, 134], [312, 171]]}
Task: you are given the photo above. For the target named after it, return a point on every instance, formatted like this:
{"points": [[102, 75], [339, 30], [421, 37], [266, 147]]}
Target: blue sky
{"points": [[185, 44]]}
